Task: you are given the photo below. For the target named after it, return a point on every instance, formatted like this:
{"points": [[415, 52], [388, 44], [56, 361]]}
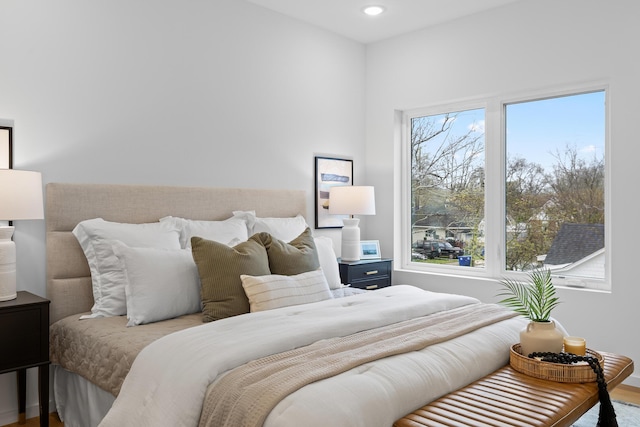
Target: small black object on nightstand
{"points": [[24, 336], [366, 274]]}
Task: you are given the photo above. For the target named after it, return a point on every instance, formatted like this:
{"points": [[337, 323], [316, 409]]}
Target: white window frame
{"points": [[495, 154]]}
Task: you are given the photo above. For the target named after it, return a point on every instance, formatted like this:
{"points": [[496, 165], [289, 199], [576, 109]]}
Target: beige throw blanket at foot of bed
{"points": [[246, 395]]}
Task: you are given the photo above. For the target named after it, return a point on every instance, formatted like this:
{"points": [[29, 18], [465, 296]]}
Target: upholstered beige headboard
{"points": [[68, 276]]}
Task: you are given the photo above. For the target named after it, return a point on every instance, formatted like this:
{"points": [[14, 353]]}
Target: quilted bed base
{"points": [[507, 398]]}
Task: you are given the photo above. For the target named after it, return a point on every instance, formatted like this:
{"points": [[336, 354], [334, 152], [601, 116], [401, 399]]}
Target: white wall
{"points": [[522, 47], [206, 93]]}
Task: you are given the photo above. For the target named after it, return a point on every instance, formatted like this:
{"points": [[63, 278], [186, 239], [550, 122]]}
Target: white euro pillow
{"points": [[96, 237], [159, 284], [328, 261], [275, 291], [285, 229], [231, 230]]}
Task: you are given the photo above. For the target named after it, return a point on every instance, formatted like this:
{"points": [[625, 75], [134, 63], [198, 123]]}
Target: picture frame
{"points": [[330, 172], [6, 147], [6, 153], [370, 249]]}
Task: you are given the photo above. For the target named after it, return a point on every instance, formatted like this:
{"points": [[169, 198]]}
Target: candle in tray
{"points": [[575, 345]]}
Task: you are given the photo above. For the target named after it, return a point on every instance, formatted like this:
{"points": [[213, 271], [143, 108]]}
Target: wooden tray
{"points": [[575, 373]]}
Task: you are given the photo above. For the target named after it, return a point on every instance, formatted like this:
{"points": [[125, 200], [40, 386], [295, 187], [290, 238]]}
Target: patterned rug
{"points": [[627, 415]]}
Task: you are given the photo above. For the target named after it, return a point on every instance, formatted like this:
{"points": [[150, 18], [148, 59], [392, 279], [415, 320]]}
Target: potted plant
{"points": [[534, 300]]}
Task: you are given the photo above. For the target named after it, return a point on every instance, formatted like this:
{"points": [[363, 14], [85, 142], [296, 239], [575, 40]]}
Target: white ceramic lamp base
{"points": [[350, 240], [7, 264]]}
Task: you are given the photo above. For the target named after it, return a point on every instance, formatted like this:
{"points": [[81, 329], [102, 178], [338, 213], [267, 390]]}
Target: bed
{"points": [[340, 358]]}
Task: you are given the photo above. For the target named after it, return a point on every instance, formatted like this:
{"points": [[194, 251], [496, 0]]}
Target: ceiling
{"points": [[345, 17]]}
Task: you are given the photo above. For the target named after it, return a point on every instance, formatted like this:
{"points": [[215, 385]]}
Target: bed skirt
{"points": [[79, 403]]}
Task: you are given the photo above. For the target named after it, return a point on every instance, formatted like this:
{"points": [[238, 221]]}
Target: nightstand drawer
{"points": [[369, 271], [371, 284], [24, 332], [20, 336], [366, 274]]}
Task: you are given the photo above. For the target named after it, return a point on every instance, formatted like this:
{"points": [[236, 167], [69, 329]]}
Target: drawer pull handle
{"points": [[369, 273], [370, 287]]}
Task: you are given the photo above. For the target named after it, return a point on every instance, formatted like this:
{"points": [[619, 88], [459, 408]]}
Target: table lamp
{"points": [[351, 200], [20, 198]]}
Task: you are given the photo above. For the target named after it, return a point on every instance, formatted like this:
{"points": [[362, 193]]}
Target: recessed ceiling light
{"points": [[373, 10]]}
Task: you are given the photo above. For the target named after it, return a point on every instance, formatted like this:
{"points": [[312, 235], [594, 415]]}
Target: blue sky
{"points": [[536, 129]]}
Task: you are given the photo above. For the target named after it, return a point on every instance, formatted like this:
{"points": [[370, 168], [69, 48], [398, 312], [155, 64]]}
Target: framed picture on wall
{"points": [[5, 148], [330, 172]]}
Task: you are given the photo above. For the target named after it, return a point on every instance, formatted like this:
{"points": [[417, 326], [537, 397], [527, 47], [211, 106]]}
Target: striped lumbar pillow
{"points": [[274, 291]]}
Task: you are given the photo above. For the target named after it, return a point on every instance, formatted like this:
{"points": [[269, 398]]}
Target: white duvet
{"points": [[169, 378]]}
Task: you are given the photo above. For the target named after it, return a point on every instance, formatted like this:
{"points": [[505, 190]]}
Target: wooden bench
{"points": [[507, 398]]}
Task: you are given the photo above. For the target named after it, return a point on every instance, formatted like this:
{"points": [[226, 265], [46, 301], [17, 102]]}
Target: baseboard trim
{"points": [[11, 416], [632, 380]]}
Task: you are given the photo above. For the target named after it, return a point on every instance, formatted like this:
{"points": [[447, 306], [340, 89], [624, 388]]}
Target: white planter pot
{"points": [[541, 337]]}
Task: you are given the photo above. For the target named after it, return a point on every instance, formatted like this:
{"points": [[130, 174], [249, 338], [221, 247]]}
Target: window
{"points": [[447, 186], [527, 192], [555, 185]]}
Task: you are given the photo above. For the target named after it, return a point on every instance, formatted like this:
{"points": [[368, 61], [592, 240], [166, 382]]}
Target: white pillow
{"points": [[159, 283], [274, 291], [227, 231], [96, 237], [285, 229], [328, 261]]}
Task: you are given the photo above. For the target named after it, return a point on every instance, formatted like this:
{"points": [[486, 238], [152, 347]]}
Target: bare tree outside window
{"points": [[447, 185]]}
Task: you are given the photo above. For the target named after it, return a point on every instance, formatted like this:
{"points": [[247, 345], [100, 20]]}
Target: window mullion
{"points": [[494, 189]]}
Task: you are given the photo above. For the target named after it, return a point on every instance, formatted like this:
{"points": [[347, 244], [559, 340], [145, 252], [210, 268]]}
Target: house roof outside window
{"points": [[575, 242]]}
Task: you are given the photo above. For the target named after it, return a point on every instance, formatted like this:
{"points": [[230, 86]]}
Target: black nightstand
{"points": [[24, 336], [366, 273]]}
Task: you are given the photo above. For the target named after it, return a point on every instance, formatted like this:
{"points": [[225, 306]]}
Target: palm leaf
{"points": [[534, 300]]}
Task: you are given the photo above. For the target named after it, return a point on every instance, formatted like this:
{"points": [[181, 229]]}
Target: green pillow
{"points": [[287, 259], [220, 267]]}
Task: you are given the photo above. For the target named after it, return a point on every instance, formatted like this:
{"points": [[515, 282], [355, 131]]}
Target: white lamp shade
{"points": [[20, 195], [352, 200]]}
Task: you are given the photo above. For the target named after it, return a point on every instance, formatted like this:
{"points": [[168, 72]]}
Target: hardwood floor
{"points": [[626, 394], [622, 392], [54, 421]]}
